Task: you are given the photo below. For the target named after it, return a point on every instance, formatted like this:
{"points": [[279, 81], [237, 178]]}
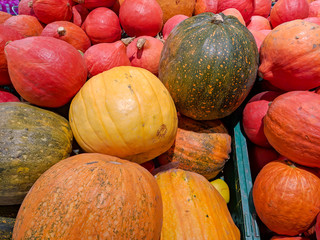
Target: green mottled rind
{"points": [[6, 228], [209, 67], [31, 141]]}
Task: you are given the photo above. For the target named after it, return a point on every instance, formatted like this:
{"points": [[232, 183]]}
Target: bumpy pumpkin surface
{"points": [[209, 64], [92, 196], [31, 141], [193, 208], [125, 112], [200, 146]]}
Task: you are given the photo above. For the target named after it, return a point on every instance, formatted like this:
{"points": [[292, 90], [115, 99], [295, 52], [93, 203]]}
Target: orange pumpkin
{"points": [[292, 127], [286, 197], [234, 12], [125, 112], [200, 146], [25, 24], [91, 196], [4, 16], [193, 208], [171, 8]]}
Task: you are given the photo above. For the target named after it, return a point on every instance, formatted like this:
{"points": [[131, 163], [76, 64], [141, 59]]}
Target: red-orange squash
{"points": [[292, 126], [193, 208], [79, 14], [92, 196], [259, 23], [314, 9], [313, 20], [285, 52], [171, 8], [25, 7], [245, 7], [6, 96], [262, 7], [45, 71], [134, 116], [68, 32], [286, 197], [25, 24], [92, 4], [4, 16], [236, 13], [200, 146], [171, 23], [288, 238], [205, 6]]}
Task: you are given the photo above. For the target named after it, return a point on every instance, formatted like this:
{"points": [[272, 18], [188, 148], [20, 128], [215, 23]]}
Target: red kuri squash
{"points": [[262, 8], [171, 23], [79, 14], [6, 96], [205, 6], [245, 7], [92, 4], [259, 23], [25, 7], [25, 24]]}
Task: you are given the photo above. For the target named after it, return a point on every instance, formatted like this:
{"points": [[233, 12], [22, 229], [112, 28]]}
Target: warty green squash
{"points": [[209, 64]]}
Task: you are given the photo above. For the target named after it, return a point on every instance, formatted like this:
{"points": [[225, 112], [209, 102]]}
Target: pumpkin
{"points": [[141, 17], [6, 228], [32, 140], [288, 238], [48, 11], [4, 16], [25, 24], [234, 12], [259, 36], [171, 8], [92, 196], [292, 127], [209, 64], [104, 56], [171, 23], [6, 96], [314, 9], [313, 20], [284, 53], [25, 7], [245, 7], [145, 52], [288, 10], [45, 71], [200, 146], [116, 6], [205, 6], [6, 34], [259, 23], [92, 4], [79, 14], [262, 7], [102, 26], [286, 197], [134, 117], [193, 208], [69, 32], [259, 157], [252, 118], [318, 226]]}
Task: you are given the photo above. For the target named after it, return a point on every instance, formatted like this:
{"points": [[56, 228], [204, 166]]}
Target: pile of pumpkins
{"points": [[113, 116]]}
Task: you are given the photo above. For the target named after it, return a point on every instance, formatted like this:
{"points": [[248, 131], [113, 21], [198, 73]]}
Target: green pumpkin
{"points": [[31, 141], [6, 228], [209, 64]]}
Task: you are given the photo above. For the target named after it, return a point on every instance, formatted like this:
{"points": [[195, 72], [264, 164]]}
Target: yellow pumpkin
{"points": [[193, 208], [124, 112]]}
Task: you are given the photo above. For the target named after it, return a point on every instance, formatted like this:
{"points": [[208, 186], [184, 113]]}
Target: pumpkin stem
{"points": [[140, 43], [127, 41], [61, 31], [30, 4], [217, 18], [290, 164]]}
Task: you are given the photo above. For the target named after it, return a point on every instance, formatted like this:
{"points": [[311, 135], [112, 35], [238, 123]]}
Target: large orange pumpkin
{"points": [[193, 208], [125, 112], [286, 197], [292, 126], [200, 146], [91, 196], [290, 56]]}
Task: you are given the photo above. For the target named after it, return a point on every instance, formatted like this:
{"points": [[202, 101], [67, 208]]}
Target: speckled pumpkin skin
{"points": [[209, 66], [31, 140], [6, 227], [92, 196]]}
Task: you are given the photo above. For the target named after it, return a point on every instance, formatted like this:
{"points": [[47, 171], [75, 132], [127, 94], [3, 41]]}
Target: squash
{"points": [[141, 17], [314, 9], [92, 4], [4, 16], [31, 140], [262, 8], [292, 127], [288, 238], [133, 117], [92, 196], [286, 197], [79, 14], [200, 146], [313, 20], [236, 13], [209, 64], [171, 8], [6, 228], [193, 208], [25, 7], [284, 53], [25, 24], [259, 23], [318, 226], [6, 96], [68, 32], [205, 6], [45, 71], [171, 23], [245, 7]]}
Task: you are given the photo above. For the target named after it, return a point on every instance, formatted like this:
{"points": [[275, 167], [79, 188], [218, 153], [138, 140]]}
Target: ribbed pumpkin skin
{"points": [[133, 117], [292, 127], [286, 197], [25, 24], [193, 208], [200, 146], [209, 66], [92, 196], [31, 140]]}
